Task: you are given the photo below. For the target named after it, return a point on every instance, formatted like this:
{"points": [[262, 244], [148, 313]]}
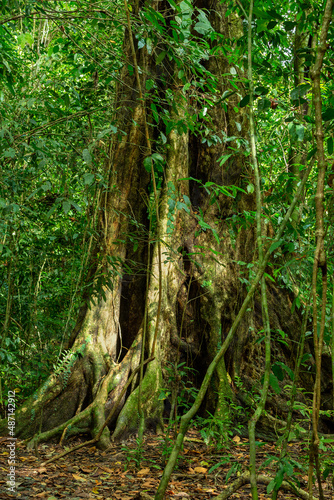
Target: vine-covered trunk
{"points": [[207, 245]]}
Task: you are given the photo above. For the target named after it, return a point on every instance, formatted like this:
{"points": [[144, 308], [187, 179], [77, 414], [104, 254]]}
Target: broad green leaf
{"points": [[274, 383], [271, 25], [76, 206], [163, 138], [278, 372], [161, 57], [244, 101], [203, 26], [300, 130], [66, 206], [88, 179], [9, 153], [180, 206], [25, 38], [87, 156], [273, 13], [300, 91], [46, 186], [148, 163], [261, 90], [271, 486], [275, 245], [263, 104], [186, 200]]}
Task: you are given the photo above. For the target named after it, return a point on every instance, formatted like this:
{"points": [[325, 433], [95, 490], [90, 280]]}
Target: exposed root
{"points": [[245, 478], [108, 419]]}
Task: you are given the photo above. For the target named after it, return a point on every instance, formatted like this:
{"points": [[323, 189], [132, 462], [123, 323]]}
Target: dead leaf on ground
{"points": [[200, 470], [143, 472]]}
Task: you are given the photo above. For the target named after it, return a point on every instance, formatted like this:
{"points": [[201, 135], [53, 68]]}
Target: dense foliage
{"points": [[60, 67]]}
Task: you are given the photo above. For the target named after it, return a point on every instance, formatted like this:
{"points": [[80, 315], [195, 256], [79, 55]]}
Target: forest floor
{"points": [[202, 472]]}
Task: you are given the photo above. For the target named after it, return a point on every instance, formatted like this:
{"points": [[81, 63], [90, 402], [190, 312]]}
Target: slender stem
{"points": [[265, 314], [320, 252], [332, 343]]}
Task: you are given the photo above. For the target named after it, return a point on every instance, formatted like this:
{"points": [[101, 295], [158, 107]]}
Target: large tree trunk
{"points": [[200, 248]]}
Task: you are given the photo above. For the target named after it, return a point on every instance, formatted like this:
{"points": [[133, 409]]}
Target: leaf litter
{"points": [[202, 472]]}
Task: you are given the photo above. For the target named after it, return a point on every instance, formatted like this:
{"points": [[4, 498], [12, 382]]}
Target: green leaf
{"points": [[328, 114], [266, 275], [66, 206], [244, 101], [289, 25], [148, 163], [274, 383], [203, 26], [87, 156], [271, 25], [67, 100], [280, 367], [186, 200], [88, 179], [300, 132], [180, 206], [204, 225], [278, 372], [76, 206], [273, 13], [311, 153], [25, 38], [261, 90], [223, 159], [50, 212], [9, 153], [300, 91], [271, 486], [275, 245], [161, 57], [155, 112], [263, 104], [157, 157], [46, 186], [309, 119], [149, 84]]}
